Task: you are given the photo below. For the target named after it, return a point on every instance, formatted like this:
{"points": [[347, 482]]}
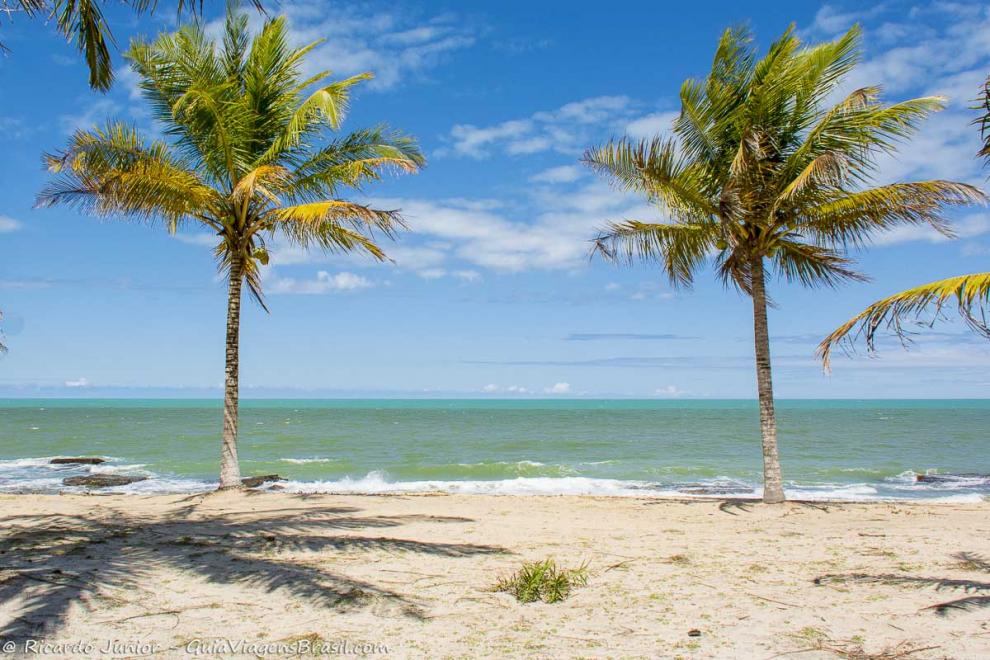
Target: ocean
{"points": [[850, 450]]}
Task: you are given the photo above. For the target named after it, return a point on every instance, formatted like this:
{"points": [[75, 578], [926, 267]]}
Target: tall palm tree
{"points": [[763, 177], [246, 155], [970, 293]]}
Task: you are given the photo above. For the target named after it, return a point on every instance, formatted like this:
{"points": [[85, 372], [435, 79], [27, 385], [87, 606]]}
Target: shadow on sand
{"points": [[977, 588], [50, 562]]}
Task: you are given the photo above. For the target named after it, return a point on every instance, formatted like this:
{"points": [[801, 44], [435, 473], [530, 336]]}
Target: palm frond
{"points": [[970, 293], [854, 218], [679, 248], [323, 223], [113, 171], [812, 265], [653, 168], [327, 105]]}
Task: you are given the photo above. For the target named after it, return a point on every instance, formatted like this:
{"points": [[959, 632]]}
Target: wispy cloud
{"points": [[394, 44], [602, 336], [323, 283], [968, 227], [202, 240], [651, 125], [669, 391], [93, 114], [552, 233], [559, 174], [8, 224], [938, 48], [566, 130]]}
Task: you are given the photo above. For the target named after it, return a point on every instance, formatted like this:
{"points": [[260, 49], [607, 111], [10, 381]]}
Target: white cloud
{"points": [[467, 275], [393, 44], [95, 114], [323, 283], [432, 273], [830, 21], [936, 49], [553, 233], [203, 240], [560, 174], [568, 130], [968, 227], [79, 382], [651, 125], [558, 388], [671, 391], [492, 388], [8, 224], [15, 128]]}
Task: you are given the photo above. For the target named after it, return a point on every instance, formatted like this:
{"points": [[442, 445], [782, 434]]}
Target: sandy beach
{"points": [[409, 576]]}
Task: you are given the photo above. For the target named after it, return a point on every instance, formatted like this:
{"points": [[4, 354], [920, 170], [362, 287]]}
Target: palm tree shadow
{"points": [[731, 507], [740, 505], [978, 589], [48, 563]]}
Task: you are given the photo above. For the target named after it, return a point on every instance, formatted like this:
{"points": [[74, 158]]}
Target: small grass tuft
{"points": [[542, 580]]}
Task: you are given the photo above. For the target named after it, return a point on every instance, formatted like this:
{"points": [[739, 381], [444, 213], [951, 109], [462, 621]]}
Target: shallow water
{"points": [[829, 449]]}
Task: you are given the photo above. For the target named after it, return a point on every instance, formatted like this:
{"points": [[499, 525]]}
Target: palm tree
{"points": [[82, 21], [970, 293], [762, 177], [246, 155]]}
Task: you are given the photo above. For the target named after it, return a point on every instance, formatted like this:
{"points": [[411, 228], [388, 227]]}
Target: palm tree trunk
{"points": [[773, 490], [230, 470]]}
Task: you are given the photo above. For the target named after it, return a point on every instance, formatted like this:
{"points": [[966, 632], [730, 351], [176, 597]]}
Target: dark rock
{"points": [[694, 632], [254, 482], [101, 480], [948, 478], [80, 460], [276, 487]]}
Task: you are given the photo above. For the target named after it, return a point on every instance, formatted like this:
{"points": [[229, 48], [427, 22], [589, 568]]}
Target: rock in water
{"points": [[101, 480], [80, 460], [254, 482], [949, 478]]}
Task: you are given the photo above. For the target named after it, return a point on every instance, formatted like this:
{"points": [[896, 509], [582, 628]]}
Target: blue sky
{"points": [[492, 293]]}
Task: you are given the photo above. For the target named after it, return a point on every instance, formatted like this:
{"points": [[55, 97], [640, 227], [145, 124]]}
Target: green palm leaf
{"points": [[970, 293]]}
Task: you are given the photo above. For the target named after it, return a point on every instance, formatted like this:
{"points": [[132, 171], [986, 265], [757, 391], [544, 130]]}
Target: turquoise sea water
{"points": [[834, 449]]}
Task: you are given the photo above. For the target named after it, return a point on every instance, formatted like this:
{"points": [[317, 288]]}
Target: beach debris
{"points": [[542, 580], [101, 480], [694, 632], [77, 460], [254, 482]]}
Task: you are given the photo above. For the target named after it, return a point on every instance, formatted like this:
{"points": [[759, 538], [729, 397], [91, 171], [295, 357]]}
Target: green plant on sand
{"points": [[542, 580]]}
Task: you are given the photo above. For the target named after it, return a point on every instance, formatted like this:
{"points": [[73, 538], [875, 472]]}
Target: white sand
{"points": [[413, 572]]}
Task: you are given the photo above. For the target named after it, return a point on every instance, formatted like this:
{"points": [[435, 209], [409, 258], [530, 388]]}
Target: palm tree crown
{"points": [[240, 154], [760, 167], [764, 172], [246, 154]]}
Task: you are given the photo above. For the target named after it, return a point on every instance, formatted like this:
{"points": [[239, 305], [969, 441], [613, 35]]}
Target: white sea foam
{"points": [[37, 474], [377, 482]]}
